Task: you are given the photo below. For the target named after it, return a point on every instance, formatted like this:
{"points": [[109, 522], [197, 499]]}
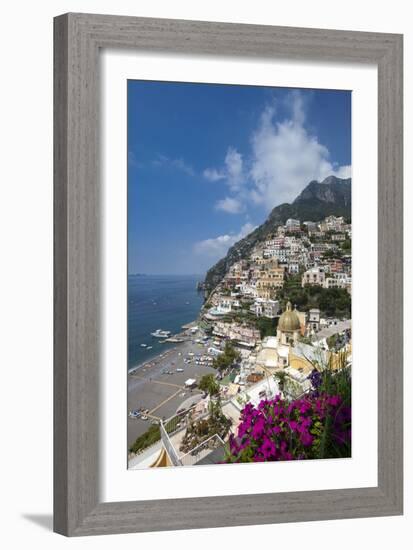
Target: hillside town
{"points": [[278, 319], [254, 306]]}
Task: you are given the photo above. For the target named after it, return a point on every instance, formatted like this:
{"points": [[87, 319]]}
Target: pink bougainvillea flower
{"points": [[280, 430], [334, 400], [258, 428], [306, 439]]}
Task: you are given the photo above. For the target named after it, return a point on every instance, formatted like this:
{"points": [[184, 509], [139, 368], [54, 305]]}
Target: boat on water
{"points": [[144, 345], [149, 347], [161, 333]]}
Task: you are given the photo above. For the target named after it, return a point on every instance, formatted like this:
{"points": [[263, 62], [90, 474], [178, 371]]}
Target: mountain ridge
{"points": [[317, 200]]}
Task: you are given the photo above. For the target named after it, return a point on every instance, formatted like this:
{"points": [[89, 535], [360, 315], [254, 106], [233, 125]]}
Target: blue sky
{"points": [[207, 163]]}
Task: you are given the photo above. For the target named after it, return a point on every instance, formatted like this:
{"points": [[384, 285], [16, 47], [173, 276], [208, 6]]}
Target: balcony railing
{"points": [[203, 450], [170, 431], [173, 455]]}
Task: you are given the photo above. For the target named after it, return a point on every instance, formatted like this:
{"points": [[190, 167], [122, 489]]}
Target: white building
{"points": [[247, 289], [313, 276], [292, 225], [228, 303], [314, 319], [311, 226], [279, 254], [277, 242], [332, 223], [265, 308], [293, 268], [271, 308], [338, 280], [338, 237], [257, 255]]}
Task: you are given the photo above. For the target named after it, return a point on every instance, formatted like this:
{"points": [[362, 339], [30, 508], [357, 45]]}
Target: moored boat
{"points": [[161, 333]]}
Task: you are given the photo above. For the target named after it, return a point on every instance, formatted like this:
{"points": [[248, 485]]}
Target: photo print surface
{"points": [[239, 274]]}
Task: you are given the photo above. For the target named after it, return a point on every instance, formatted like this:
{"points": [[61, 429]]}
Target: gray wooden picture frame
{"points": [[78, 38]]}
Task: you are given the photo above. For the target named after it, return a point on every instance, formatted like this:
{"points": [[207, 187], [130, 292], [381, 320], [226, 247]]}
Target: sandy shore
{"points": [[161, 393]]}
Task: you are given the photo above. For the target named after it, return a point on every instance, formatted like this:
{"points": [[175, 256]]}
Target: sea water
{"points": [[163, 302]]}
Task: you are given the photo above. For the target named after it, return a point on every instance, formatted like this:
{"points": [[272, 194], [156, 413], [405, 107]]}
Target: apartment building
{"points": [[313, 276]]}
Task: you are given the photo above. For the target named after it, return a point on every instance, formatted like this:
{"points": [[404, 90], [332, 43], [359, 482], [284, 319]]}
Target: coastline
{"points": [[159, 302], [156, 382], [147, 363], [173, 347], [158, 386]]}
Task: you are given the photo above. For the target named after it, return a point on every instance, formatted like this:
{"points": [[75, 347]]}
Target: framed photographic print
{"points": [[228, 274], [233, 351]]}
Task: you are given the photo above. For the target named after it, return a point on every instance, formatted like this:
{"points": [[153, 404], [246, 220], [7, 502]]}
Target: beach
{"points": [[163, 394], [171, 303]]}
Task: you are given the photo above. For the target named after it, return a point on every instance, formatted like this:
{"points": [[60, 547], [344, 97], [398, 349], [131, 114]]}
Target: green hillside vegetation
{"points": [[333, 302], [332, 254], [152, 435], [266, 326], [346, 246]]}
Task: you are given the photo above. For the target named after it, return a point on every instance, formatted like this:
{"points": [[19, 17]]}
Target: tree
{"points": [[148, 438], [246, 305], [227, 358], [231, 353], [280, 377], [333, 302], [330, 254], [266, 326], [209, 385], [346, 246]]}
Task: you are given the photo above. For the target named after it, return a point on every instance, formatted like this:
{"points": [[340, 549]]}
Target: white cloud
{"points": [[178, 164], [232, 171], [285, 157], [230, 205], [133, 160], [217, 247], [213, 175], [343, 172], [295, 101]]}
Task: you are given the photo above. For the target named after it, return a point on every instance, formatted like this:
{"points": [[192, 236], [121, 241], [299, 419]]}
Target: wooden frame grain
{"points": [[78, 39]]}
